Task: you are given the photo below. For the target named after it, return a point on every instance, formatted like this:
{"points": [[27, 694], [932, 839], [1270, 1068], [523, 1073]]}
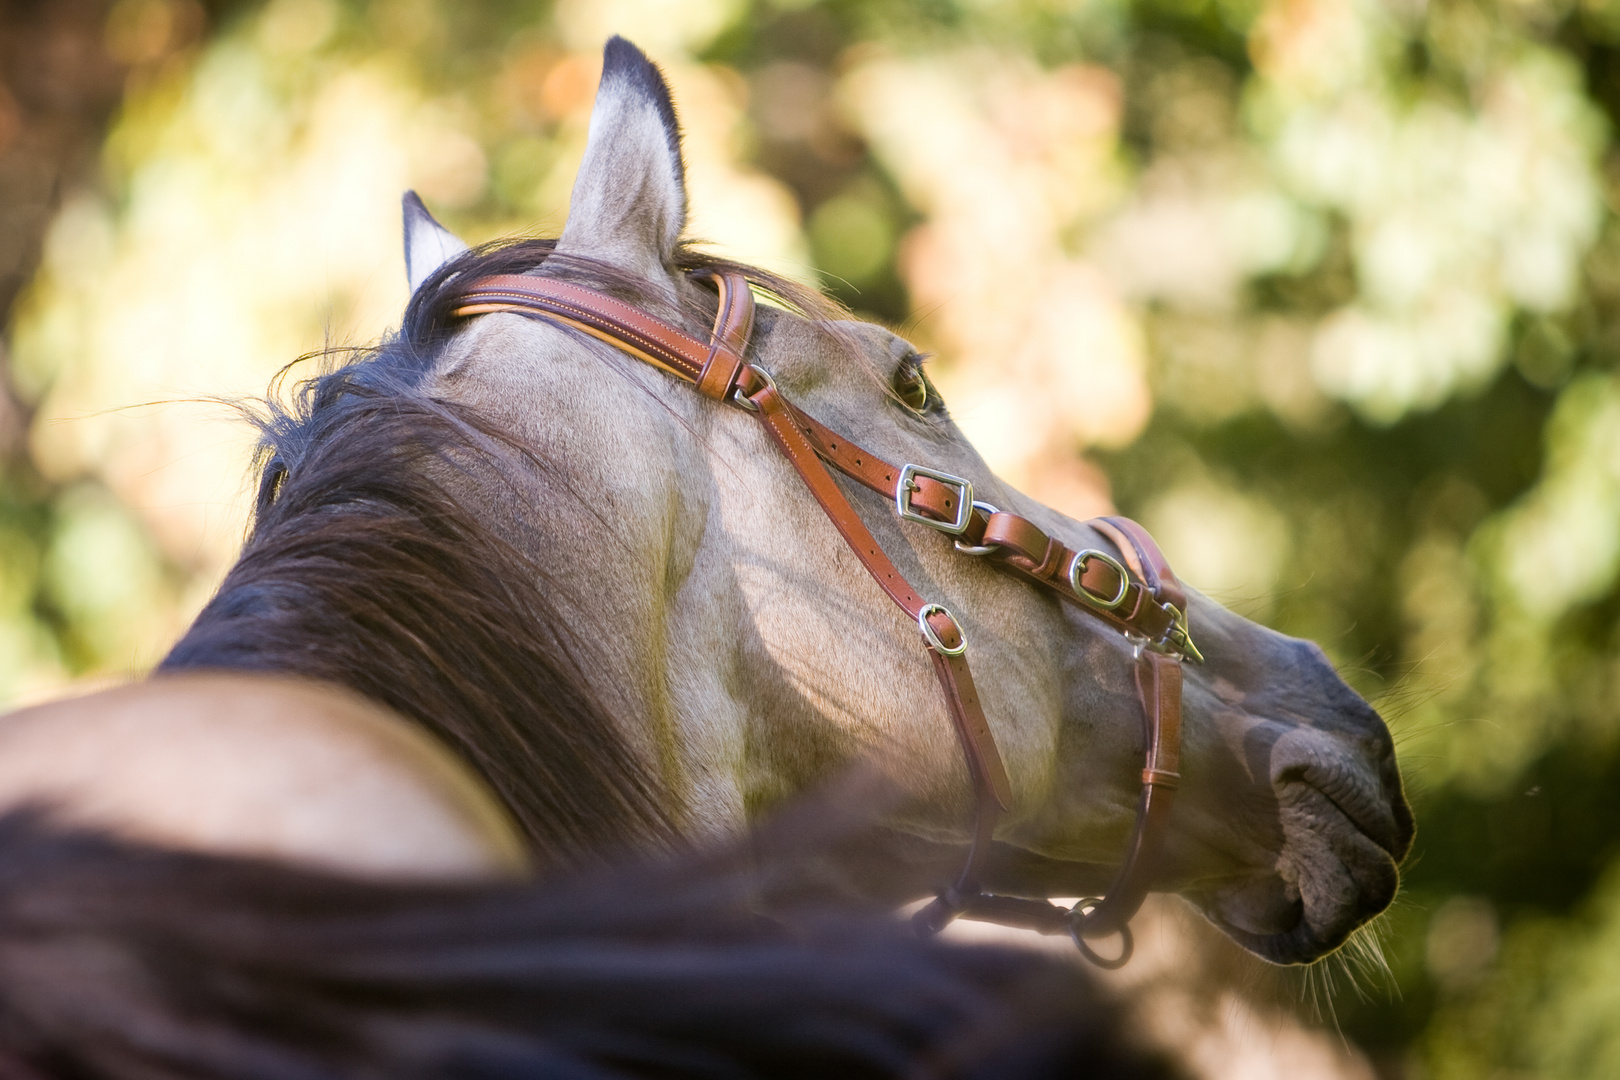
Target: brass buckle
{"points": [[1178, 640], [964, 502]]}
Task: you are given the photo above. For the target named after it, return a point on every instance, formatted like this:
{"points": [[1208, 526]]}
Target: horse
{"points": [[610, 599]]}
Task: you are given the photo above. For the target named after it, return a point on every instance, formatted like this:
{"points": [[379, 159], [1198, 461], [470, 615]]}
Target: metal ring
{"points": [[1138, 642], [1078, 567], [1107, 963], [1077, 915], [933, 638], [985, 549], [736, 397]]}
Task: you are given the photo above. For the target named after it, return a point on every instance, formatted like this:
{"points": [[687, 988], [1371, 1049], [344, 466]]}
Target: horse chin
{"points": [[1298, 945], [1330, 878]]}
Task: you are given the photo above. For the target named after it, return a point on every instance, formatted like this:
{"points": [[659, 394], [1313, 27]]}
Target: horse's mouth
{"points": [[1331, 877], [1339, 840]]}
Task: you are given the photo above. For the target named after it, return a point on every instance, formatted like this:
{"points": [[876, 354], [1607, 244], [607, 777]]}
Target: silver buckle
{"points": [[964, 503], [1078, 567], [933, 638]]}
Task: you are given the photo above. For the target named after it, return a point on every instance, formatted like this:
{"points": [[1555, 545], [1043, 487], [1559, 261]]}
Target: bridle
{"points": [[1134, 591]]}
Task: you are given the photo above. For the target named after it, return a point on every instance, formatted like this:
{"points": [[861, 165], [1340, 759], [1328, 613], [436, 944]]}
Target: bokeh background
{"points": [[1326, 292]]}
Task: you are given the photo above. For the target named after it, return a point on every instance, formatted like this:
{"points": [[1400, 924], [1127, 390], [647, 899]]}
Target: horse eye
{"points": [[911, 387]]}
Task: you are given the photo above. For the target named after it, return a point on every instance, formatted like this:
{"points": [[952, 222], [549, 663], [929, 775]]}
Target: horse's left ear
{"points": [[629, 201], [428, 245]]}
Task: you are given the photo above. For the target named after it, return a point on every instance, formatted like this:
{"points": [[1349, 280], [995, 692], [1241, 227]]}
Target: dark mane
{"points": [[363, 569], [124, 962]]}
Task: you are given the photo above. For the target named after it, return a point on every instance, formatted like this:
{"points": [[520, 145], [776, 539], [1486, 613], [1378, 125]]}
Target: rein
{"points": [[1134, 592]]}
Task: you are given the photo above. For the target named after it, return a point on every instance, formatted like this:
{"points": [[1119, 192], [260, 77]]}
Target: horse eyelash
{"points": [[916, 362]]}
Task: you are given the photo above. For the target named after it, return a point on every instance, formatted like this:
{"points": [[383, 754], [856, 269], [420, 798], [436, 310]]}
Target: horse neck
{"points": [[614, 505], [368, 569]]}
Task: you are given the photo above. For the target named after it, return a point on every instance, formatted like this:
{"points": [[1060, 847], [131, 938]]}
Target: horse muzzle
{"points": [[1345, 830]]}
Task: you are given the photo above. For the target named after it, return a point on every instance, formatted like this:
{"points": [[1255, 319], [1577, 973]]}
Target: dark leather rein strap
{"points": [[1135, 591]]}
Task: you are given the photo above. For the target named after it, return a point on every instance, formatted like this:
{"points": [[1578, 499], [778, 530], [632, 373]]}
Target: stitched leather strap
{"points": [[1136, 591]]}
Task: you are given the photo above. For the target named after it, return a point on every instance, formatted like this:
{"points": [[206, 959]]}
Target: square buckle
{"points": [[964, 499]]}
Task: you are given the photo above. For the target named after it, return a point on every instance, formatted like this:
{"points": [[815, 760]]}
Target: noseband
{"points": [[1132, 591]]}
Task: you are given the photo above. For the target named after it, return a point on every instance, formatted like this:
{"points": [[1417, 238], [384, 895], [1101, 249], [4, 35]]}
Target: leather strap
{"points": [[733, 323], [1135, 592], [988, 772], [1020, 544], [1158, 684], [602, 316]]}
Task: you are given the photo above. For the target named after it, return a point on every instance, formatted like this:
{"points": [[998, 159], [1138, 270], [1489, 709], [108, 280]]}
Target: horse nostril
{"points": [[1340, 770]]}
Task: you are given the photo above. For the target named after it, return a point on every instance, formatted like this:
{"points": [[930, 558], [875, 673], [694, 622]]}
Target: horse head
{"points": [[745, 653]]}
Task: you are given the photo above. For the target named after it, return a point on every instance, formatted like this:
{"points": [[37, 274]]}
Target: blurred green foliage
{"points": [[1353, 264]]}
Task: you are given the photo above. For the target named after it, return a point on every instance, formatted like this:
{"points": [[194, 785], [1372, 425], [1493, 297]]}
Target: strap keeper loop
{"points": [[719, 375], [1161, 777]]}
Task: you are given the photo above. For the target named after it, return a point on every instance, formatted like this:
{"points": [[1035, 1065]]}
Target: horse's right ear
{"points": [[428, 245], [629, 201]]}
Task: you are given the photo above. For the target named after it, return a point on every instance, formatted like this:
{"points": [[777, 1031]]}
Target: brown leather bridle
{"points": [[1134, 592]]}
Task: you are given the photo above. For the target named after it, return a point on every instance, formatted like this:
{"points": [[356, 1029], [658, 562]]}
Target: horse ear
{"points": [[629, 201], [428, 245]]}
